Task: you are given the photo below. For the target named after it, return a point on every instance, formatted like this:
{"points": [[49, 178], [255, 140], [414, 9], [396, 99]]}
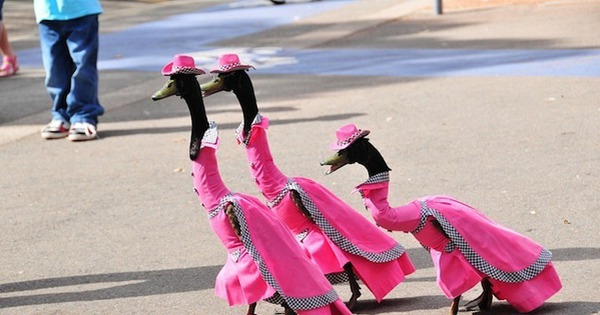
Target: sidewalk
{"points": [[112, 226], [20, 22]]}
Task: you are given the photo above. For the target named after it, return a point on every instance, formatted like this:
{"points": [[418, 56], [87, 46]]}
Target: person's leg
{"points": [[5, 46], [9, 59], [58, 66], [82, 101]]}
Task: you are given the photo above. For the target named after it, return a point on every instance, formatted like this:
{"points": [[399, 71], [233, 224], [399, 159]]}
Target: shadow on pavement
{"points": [[145, 283], [394, 305], [439, 302], [582, 308], [106, 133]]}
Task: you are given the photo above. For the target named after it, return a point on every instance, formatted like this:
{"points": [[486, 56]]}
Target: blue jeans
{"points": [[70, 55]]}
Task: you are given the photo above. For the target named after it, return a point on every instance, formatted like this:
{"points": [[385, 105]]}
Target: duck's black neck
{"points": [[373, 161], [190, 91], [244, 91]]}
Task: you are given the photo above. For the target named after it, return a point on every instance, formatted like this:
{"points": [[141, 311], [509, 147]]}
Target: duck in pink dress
{"points": [[264, 262], [338, 239], [466, 247]]}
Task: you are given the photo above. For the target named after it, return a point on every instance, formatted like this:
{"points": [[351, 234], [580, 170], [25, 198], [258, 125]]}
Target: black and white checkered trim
{"points": [[295, 303], [235, 255], [233, 65], [337, 277], [220, 207], [186, 70], [476, 260], [213, 213], [378, 178], [358, 134], [302, 235], [304, 303], [240, 130], [334, 235], [313, 301], [211, 135], [334, 278], [422, 222], [275, 299]]}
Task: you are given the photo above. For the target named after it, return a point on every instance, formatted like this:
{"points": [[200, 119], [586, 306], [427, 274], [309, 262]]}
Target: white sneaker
{"points": [[82, 131], [56, 129]]}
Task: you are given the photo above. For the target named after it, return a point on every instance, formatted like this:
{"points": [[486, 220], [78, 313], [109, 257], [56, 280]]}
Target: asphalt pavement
{"points": [[496, 103]]}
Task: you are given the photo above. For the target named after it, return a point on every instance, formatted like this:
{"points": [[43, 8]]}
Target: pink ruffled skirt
{"points": [[239, 281], [380, 278], [455, 276], [321, 251], [336, 308]]}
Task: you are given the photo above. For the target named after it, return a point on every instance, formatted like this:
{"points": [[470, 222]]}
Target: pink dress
{"points": [[472, 246], [265, 262], [338, 234]]}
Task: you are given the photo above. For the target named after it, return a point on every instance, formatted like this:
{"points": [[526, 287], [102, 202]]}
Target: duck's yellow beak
{"points": [[169, 89], [214, 86], [336, 161]]}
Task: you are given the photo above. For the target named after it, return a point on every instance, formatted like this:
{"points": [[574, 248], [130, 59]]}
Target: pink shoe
{"points": [[9, 66]]}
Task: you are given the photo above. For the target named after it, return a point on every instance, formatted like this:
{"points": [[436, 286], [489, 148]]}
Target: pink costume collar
{"points": [[211, 137], [374, 182], [259, 120]]}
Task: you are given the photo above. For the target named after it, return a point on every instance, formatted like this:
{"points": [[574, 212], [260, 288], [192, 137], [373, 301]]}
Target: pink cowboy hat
{"points": [[228, 63], [346, 135], [182, 64]]}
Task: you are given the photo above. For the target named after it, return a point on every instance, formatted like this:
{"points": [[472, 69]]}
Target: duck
{"points": [[263, 258], [342, 242], [465, 245]]}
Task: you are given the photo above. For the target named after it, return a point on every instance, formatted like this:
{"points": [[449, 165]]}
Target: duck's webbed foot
{"points": [[483, 301], [354, 287], [454, 306], [251, 309]]}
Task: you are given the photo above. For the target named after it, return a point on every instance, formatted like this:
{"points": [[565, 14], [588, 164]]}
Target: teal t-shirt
{"points": [[64, 9]]}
